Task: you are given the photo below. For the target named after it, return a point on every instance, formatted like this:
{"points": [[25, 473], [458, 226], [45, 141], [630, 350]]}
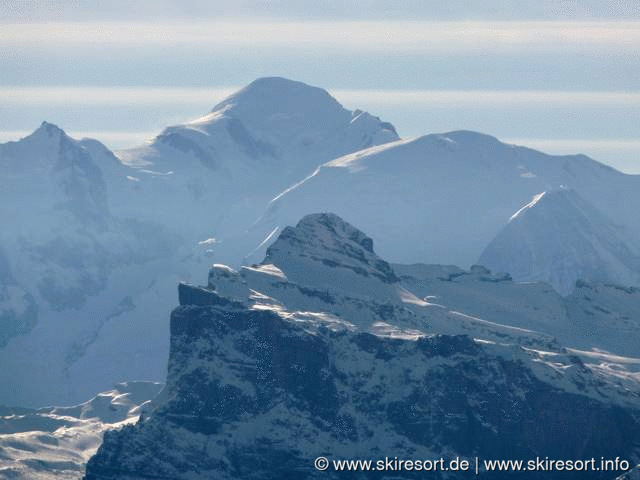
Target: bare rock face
{"points": [[252, 394]]}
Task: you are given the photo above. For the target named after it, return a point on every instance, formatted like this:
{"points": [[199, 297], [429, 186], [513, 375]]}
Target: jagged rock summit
{"points": [[560, 238], [64, 173], [325, 240], [322, 264]]}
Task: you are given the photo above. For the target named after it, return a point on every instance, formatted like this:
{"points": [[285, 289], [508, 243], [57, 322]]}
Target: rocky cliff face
{"points": [[269, 369], [251, 394]]}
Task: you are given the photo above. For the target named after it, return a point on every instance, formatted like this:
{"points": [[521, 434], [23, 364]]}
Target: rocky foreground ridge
{"points": [[270, 368]]}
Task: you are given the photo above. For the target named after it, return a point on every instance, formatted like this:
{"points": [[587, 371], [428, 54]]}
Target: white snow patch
{"points": [[531, 204], [208, 241], [384, 329]]}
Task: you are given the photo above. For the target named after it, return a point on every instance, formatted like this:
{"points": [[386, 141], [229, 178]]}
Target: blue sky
{"points": [[561, 76]]}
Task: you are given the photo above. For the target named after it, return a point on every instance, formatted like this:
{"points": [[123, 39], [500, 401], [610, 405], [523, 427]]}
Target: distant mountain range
{"points": [[93, 241], [443, 198]]}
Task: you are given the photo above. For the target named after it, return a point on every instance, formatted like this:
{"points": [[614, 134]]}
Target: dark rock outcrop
{"points": [[326, 240], [252, 394]]}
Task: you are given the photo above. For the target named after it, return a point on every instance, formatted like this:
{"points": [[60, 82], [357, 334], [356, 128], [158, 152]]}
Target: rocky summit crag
{"points": [[260, 384]]}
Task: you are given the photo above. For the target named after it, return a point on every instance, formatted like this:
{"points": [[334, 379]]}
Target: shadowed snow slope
{"points": [[559, 238], [91, 247], [224, 167], [47, 169], [55, 443], [252, 145], [272, 126], [71, 271]]}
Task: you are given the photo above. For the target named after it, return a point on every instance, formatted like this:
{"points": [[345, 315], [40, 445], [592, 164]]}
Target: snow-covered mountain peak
{"points": [[269, 96], [469, 137], [324, 241], [312, 265], [41, 148], [325, 230], [272, 104], [61, 170], [47, 147], [406, 194], [49, 130], [559, 237], [309, 367], [286, 110], [273, 127]]}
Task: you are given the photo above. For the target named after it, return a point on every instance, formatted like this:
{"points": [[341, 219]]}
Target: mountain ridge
{"points": [[163, 221], [455, 191], [560, 238]]}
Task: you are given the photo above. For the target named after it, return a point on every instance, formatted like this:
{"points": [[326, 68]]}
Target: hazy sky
{"points": [[561, 76]]}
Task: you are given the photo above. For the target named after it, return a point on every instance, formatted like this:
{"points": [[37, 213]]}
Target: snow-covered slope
{"points": [[273, 127], [594, 318], [326, 349], [559, 238], [55, 443], [326, 265], [443, 198], [225, 166], [48, 170], [91, 247], [72, 275], [323, 349]]}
